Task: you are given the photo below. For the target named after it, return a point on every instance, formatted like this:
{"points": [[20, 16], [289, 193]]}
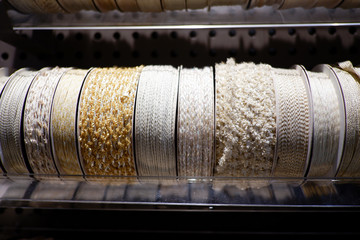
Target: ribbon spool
{"points": [[155, 121], [4, 77], [296, 3], [63, 131], [105, 121], [25, 6], [261, 3], [72, 6], [350, 4], [12, 102], [196, 4], [195, 124], [245, 120], [294, 123], [106, 5], [49, 6], [128, 5], [37, 113], [329, 122], [149, 5], [174, 4]]}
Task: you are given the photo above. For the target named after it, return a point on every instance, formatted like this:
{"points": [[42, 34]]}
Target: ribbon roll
{"points": [[12, 102], [329, 122], [49, 6], [296, 3], [261, 3], [128, 5], [327, 3], [106, 5], [25, 6], [105, 122], [245, 119], [196, 121], [196, 4], [294, 124], [174, 4], [243, 3], [155, 121], [3, 80], [37, 120], [72, 6], [350, 4], [149, 5], [63, 131]]}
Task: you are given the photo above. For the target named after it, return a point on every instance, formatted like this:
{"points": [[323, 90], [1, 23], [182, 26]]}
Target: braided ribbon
{"points": [[106, 5], [245, 119], [155, 121], [25, 6], [174, 4], [350, 82], [329, 123], [106, 120], [293, 124], [37, 120], [49, 6], [63, 122], [128, 5], [72, 6], [149, 5], [196, 4], [196, 122], [11, 107]]}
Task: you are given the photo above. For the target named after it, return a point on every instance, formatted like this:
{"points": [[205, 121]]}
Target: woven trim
{"points": [[293, 124], [196, 122], [73, 6], [149, 5], [63, 122], [106, 5], [49, 6], [155, 121], [128, 5], [4, 78], [106, 120], [245, 119], [11, 107]]}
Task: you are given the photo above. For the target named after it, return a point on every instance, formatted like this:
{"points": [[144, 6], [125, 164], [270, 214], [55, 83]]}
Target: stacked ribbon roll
{"points": [[237, 120], [70, 6]]}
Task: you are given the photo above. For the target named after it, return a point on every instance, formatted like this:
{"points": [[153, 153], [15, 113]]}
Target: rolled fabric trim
{"points": [[352, 168], [261, 3], [63, 131], [149, 5], [293, 132], [196, 122], [243, 3], [72, 6], [105, 122], [174, 4], [37, 120], [245, 120], [196, 4], [26, 6], [350, 4], [327, 3], [12, 103], [155, 121], [296, 3], [106, 5], [49, 6], [4, 77], [128, 5], [329, 122]]}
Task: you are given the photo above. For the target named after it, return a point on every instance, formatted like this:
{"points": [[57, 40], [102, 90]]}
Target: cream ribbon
{"points": [[12, 102], [128, 5], [149, 5], [329, 122], [37, 113], [155, 121], [174, 4], [196, 121], [73, 6], [106, 5], [293, 119], [63, 131], [25, 6], [196, 4]]}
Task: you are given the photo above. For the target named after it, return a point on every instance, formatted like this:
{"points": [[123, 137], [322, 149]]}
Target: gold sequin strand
{"points": [[105, 121], [63, 122]]}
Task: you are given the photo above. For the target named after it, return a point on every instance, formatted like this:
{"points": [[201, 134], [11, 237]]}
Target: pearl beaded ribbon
{"points": [[63, 122], [174, 4], [196, 122], [128, 5], [155, 121], [11, 108], [293, 124], [245, 119], [149, 5], [329, 123], [37, 120], [78, 5], [106, 121]]}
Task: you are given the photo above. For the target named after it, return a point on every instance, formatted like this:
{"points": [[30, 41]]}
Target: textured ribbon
{"points": [[149, 5], [128, 5], [293, 124], [63, 122], [245, 119], [106, 5], [49, 6], [155, 121], [261, 3], [327, 125], [78, 5], [11, 121], [196, 4], [37, 120], [196, 121], [25, 6], [106, 121], [174, 4]]}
